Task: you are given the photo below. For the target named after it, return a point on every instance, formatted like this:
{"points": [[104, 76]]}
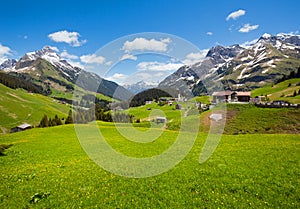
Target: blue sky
{"points": [[78, 29]]}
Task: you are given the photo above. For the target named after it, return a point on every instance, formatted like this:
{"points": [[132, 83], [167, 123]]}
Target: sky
{"points": [[113, 35]]}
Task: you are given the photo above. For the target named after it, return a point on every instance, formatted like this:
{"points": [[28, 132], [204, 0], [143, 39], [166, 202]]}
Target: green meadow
{"points": [[47, 168], [19, 106], [281, 91], [253, 166]]}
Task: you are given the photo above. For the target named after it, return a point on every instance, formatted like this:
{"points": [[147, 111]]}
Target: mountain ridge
{"points": [[239, 68], [49, 70]]}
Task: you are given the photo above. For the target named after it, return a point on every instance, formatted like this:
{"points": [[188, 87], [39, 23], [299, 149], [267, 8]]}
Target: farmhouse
{"points": [[161, 120], [231, 96], [22, 127]]}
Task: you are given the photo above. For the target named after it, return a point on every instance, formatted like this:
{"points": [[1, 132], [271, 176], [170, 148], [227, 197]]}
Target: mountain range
{"points": [[50, 71], [239, 67], [140, 86], [236, 67]]}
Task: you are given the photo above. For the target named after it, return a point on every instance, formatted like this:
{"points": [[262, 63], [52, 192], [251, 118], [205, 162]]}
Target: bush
{"points": [[4, 147]]}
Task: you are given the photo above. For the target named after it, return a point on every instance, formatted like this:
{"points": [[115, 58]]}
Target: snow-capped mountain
{"points": [[25, 64], [48, 70], [241, 68], [140, 86], [8, 64], [188, 76]]}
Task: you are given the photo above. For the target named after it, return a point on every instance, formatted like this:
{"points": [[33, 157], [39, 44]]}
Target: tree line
{"points": [[48, 122], [148, 95], [20, 81], [293, 74], [82, 116]]}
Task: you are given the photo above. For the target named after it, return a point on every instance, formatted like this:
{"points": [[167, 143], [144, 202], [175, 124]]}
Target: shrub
{"points": [[4, 147]]}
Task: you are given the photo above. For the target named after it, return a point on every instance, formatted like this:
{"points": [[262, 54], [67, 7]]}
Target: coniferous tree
{"points": [[57, 120], [69, 119], [44, 122]]}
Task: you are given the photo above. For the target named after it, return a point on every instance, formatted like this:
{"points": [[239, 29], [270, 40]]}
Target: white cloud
{"points": [[108, 63], [247, 28], [128, 57], [145, 44], [158, 66], [68, 56], [293, 33], [248, 43], [209, 33], [193, 58], [92, 59], [236, 14], [76, 64], [4, 50], [117, 77], [53, 48], [71, 38]]}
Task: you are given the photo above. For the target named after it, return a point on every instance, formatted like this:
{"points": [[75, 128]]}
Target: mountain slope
{"points": [[288, 90], [240, 68], [47, 69], [18, 106]]}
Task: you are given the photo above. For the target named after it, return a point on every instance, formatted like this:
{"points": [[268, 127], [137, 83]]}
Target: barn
{"points": [[22, 127]]}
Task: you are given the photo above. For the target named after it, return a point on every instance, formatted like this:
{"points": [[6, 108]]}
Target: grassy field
{"points": [[47, 168], [18, 106], [281, 91], [249, 119], [202, 99]]}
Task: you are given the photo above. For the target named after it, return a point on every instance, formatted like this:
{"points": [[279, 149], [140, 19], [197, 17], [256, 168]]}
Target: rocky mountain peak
{"points": [[8, 64], [263, 62], [221, 54]]}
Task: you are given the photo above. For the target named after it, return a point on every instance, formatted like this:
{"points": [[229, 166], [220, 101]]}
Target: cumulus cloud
{"points": [[93, 59], [158, 66], [209, 33], [71, 38], [236, 14], [142, 44], [4, 50], [117, 77], [247, 28], [193, 58], [68, 56], [128, 57], [53, 48], [248, 43], [76, 64]]}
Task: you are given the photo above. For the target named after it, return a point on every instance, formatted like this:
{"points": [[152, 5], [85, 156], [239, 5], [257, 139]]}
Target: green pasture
{"points": [[47, 168]]}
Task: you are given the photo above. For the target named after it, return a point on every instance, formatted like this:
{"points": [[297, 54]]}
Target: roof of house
{"points": [[24, 126], [227, 93], [161, 118], [239, 93], [222, 93]]}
